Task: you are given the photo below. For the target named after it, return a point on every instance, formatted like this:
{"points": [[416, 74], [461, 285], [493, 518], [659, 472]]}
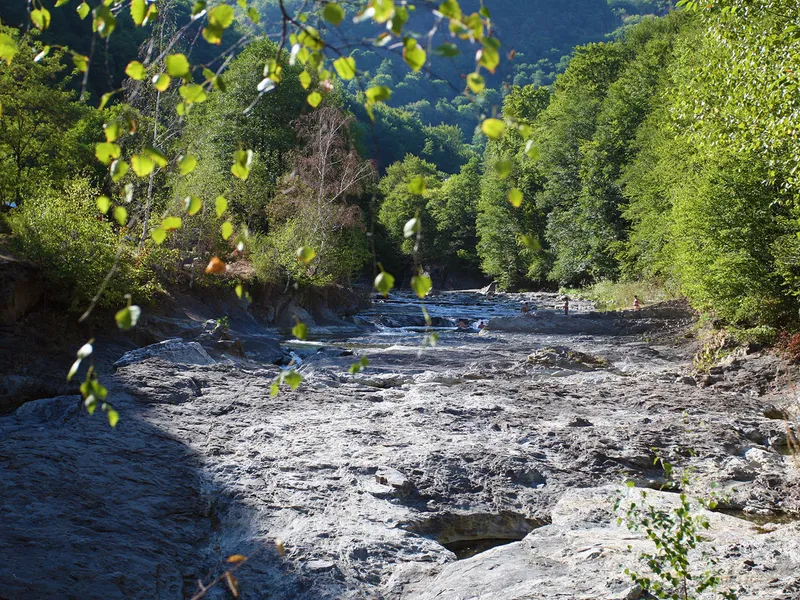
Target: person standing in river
{"points": [[636, 303], [566, 305]]}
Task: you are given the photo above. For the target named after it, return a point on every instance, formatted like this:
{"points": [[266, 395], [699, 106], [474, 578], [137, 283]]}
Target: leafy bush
{"points": [[76, 247], [763, 335], [274, 256], [682, 566]]}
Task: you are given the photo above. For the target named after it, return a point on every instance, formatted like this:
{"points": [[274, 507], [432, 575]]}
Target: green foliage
{"points": [[509, 236], [453, 208], [221, 126], [585, 136], [273, 256], [724, 231], [44, 134], [610, 295], [639, 167], [401, 204], [763, 335], [62, 231], [677, 534]]}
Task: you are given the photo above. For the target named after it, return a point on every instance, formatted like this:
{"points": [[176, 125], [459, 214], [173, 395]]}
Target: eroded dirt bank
{"points": [[369, 479]]}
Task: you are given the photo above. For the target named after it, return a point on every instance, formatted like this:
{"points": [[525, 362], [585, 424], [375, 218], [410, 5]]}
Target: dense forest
{"points": [[640, 144]]}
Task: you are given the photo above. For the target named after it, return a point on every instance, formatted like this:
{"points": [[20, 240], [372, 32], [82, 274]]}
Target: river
{"points": [[485, 466]]}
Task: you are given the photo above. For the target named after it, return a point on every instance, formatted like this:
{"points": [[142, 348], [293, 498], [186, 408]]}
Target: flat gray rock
{"points": [[583, 553]]}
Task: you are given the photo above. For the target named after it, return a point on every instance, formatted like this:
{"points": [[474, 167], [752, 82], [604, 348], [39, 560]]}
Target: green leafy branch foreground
{"points": [[636, 164], [131, 151], [669, 153], [681, 567]]}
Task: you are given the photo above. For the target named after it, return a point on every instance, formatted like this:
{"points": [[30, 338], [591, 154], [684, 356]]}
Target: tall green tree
{"points": [[510, 236], [45, 135], [454, 208], [403, 201], [243, 118]]}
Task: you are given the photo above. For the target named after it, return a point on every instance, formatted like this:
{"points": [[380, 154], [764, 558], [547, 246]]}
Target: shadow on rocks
{"points": [[94, 512]]}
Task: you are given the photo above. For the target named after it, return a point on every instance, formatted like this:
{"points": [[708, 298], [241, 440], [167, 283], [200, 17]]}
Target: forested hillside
{"points": [[428, 113], [667, 152]]}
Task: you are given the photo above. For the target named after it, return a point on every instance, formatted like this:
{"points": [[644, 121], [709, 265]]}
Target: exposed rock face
{"points": [[583, 554], [20, 288], [365, 477], [175, 350]]}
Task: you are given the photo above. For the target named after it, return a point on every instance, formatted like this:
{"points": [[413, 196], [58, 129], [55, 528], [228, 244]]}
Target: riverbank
{"points": [[375, 482]]}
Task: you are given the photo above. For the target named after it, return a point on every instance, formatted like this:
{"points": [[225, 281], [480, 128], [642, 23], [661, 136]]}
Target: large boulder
{"points": [[175, 351], [287, 317], [50, 410]]}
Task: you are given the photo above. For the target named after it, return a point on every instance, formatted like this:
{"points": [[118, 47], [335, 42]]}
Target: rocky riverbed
{"points": [[486, 466]]}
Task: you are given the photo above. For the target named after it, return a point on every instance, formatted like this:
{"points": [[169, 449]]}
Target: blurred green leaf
{"points": [[187, 164], [314, 99], [161, 81], [384, 283], [515, 197], [300, 330], [221, 205], [170, 223], [135, 70], [413, 54], [177, 65], [305, 254], [138, 11], [8, 48], [192, 205], [421, 284], [159, 235], [417, 186], [345, 67], [226, 229], [293, 379], [503, 168], [493, 128], [128, 317], [476, 83], [121, 215], [333, 13], [142, 165]]}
